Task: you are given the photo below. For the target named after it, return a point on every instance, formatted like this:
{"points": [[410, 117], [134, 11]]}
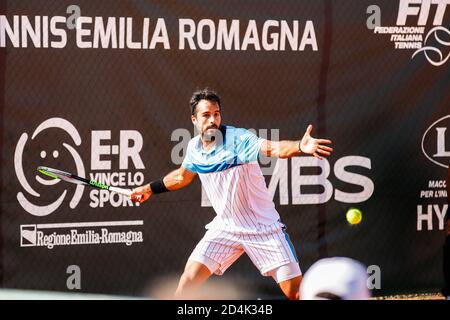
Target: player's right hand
{"points": [[141, 194]]}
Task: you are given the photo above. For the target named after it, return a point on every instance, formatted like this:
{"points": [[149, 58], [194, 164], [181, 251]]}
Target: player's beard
{"points": [[212, 133]]}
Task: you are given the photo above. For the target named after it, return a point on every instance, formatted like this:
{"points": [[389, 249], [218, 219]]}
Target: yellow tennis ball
{"points": [[354, 216]]}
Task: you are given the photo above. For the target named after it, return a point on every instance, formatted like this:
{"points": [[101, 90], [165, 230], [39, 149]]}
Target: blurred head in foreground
{"points": [[335, 279]]}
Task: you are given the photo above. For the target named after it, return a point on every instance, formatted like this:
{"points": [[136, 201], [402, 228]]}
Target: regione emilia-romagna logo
{"points": [[56, 143], [419, 27], [436, 142]]}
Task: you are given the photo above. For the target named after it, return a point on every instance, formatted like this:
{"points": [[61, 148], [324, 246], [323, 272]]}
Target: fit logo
{"points": [[422, 10], [419, 27]]}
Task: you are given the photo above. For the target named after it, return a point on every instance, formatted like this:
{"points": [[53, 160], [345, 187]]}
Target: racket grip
{"points": [[125, 192]]}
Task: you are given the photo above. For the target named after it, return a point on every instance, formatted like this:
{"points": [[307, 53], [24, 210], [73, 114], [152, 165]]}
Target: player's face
{"points": [[207, 119]]}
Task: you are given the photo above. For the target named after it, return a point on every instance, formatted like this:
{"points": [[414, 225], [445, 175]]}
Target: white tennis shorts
{"points": [[271, 252]]}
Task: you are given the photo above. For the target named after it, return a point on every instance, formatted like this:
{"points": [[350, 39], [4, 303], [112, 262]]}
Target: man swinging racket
{"points": [[225, 158]]}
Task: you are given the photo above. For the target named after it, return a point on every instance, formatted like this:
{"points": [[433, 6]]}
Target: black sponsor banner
{"points": [[101, 89]]}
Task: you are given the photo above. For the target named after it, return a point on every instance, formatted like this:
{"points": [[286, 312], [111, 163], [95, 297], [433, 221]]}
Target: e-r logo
{"points": [[124, 150]]}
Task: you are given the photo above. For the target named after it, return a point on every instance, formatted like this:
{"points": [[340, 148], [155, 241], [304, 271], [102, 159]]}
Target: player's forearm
{"points": [[175, 180], [172, 181], [286, 149]]}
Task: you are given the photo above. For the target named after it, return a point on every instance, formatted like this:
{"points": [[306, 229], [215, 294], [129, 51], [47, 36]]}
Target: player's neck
{"points": [[207, 143]]}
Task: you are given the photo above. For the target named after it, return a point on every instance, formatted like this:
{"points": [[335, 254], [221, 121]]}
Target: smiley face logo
{"points": [[45, 155]]}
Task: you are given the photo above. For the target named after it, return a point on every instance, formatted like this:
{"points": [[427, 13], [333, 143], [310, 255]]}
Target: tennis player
{"points": [[225, 159]]}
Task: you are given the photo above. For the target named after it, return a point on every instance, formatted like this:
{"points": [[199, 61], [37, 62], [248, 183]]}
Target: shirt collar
{"points": [[211, 150]]}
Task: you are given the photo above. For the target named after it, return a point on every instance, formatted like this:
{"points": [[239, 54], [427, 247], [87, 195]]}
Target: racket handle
{"points": [[125, 192]]}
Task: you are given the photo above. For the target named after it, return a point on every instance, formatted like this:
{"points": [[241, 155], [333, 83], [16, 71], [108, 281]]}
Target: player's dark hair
{"points": [[203, 94]]}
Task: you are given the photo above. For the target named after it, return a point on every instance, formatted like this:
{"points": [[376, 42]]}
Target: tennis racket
{"points": [[69, 177]]}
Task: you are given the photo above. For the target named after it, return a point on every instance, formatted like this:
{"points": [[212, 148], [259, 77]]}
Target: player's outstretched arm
{"points": [[175, 180], [287, 149]]}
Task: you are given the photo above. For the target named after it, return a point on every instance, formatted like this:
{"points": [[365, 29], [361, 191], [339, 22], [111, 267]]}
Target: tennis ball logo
{"points": [[354, 216], [44, 210]]}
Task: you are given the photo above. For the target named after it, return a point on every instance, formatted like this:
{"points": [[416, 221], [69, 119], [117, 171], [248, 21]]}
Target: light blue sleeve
{"points": [[187, 161], [248, 146]]}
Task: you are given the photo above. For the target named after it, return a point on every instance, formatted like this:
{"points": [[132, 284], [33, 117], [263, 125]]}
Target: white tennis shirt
{"points": [[233, 181]]}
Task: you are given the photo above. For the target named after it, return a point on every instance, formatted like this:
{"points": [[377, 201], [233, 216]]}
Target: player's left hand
{"points": [[315, 147]]}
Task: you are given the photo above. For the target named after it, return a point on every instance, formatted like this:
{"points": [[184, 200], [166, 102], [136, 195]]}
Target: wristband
{"points": [[158, 186]]}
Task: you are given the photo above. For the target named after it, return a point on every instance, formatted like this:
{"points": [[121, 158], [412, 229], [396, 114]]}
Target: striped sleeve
{"points": [[187, 161], [248, 146]]}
